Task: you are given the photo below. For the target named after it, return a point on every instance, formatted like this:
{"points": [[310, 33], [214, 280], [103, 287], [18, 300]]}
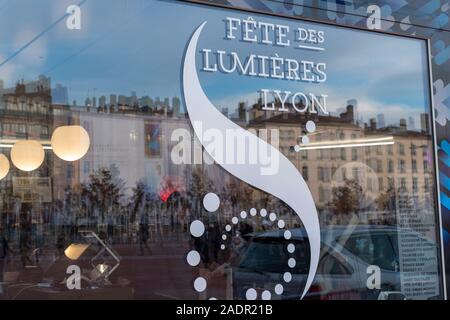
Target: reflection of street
{"points": [[347, 255], [162, 275]]}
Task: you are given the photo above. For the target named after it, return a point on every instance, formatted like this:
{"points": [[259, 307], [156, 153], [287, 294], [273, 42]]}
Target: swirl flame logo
{"points": [[287, 185]]}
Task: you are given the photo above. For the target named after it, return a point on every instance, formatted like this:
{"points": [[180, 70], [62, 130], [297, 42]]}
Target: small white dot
{"points": [[212, 298], [297, 148], [310, 126], [197, 228], [291, 248], [228, 228], [243, 214], [287, 234], [279, 289], [265, 295], [222, 247], [305, 140], [253, 212], [224, 237], [281, 224], [287, 277], [211, 202], [272, 216], [250, 294], [234, 220], [193, 258], [291, 262], [263, 212], [200, 284]]}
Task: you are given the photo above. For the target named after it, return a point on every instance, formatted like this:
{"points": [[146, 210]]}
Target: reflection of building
{"points": [[356, 115], [135, 136], [138, 145], [27, 114], [117, 135], [411, 123], [381, 121], [315, 165], [425, 123], [60, 95], [403, 168]]}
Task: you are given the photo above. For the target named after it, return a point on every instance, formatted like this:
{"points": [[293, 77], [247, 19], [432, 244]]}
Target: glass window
{"points": [[69, 171], [401, 166], [270, 255], [413, 149], [305, 173], [374, 249], [304, 154], [425, 165], [354, 154], [321, 175], [343, 154], [127, 180], [379, 166], [379, 151], [390, 150], [414, 165], [415, 184], [390, 166], [401, 149]]}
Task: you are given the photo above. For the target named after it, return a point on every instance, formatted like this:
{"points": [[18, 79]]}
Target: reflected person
{"points": [[144, 234]]}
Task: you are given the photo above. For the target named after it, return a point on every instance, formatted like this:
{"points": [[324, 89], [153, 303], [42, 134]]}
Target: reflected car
{"points": [[346, 254]]}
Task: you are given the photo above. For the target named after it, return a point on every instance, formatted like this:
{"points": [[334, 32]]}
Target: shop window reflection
{"points": [[129, 191]]}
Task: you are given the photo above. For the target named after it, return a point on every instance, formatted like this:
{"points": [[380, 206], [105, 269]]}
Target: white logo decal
{"points": [[288, 185]]}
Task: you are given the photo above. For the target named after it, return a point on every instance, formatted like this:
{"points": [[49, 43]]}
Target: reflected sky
{"points": [[126, 46]]}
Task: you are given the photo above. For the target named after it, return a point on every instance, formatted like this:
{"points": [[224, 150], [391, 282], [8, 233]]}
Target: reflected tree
{"points": [[347, 198], [199, 185], [240, 194], [104, 189], [386, 200]]}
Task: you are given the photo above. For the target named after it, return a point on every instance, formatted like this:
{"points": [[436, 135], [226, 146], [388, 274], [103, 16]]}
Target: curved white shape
{"points": [[287, 185]]}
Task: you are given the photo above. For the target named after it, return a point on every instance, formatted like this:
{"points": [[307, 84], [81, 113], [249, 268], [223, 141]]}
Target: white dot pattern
{"points": [[200, 284], [291, 248], [197, 228], [211, 202], [279, 289], [251, 294], [266, 295], [193, 258], [287, 277]]}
